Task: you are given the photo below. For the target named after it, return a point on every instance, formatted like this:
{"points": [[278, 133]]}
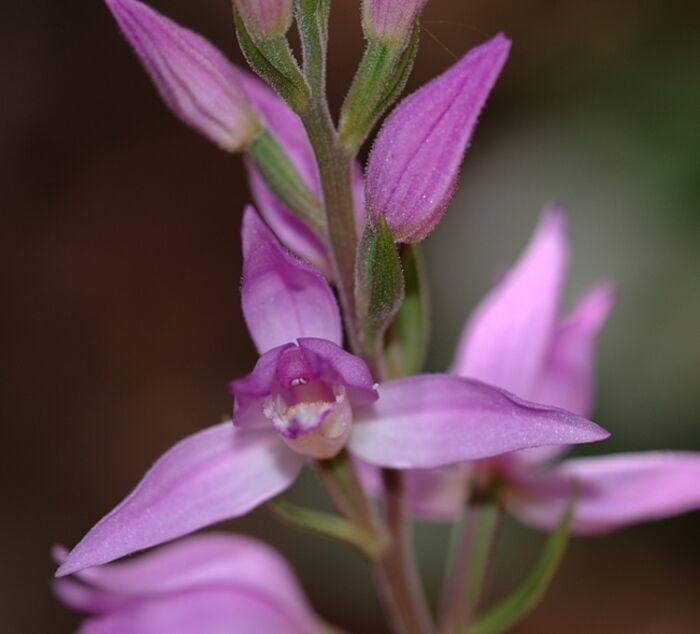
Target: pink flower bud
{"points": [[413, 167], [198, 83], [389, 19], [265, 18]]}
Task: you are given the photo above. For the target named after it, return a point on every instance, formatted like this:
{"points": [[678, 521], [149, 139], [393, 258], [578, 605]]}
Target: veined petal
{"points": [[614, 491], [219, 559], [507, 338], [205, 610], [566, 380], [283, 298], [434, 420], [218, 473], [198, 83], [413, 166]]}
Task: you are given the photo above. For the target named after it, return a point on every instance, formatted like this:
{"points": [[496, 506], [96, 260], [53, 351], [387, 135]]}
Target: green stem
{"points": [[334, 170], [333, 162], [340, 480], [470, 563], [395, 570]]}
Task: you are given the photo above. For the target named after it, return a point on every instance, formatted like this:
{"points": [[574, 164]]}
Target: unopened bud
{"points": [[413, 167], [196, 81], [390, 20], [265, 18]]}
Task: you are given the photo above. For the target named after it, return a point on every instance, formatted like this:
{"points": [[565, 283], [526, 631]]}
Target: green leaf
{"points": [[406, 340], [327, 525], [526, 597], [282, 177], [379, 284]]}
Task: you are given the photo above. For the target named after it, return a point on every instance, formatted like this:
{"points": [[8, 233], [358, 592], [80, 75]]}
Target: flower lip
{"points": [[306, 391]]}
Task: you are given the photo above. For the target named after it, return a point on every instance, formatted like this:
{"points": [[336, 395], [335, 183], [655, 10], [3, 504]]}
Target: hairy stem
{"points": [[470, 565], [395, 569], [334, 170]]}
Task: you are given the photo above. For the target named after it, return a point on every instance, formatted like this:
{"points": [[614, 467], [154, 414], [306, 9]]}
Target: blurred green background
{"points": [[121, 318]]}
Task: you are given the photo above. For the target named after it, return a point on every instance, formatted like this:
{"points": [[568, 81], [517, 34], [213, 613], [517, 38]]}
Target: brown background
{"points": [[121, 321]]}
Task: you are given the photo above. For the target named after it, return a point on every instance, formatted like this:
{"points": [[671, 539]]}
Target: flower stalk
{"points": [[469, 564]]}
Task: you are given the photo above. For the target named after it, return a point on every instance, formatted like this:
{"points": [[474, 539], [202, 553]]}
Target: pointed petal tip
{"points": [[553, 219], [594, 307], [215, 474], [59, 553]]}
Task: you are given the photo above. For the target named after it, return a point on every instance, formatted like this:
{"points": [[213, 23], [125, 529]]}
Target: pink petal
{"points": [[414, 163], [506, 340], [196, 81], [283, 298], [567, 377], [614, 491], [82, 598], [218, 473], [220, 559], [206, 610], [434, 420]]}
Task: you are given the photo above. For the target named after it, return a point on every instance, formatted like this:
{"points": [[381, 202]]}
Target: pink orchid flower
{"points": [[307, 397], [205, 584], [515, 340]]}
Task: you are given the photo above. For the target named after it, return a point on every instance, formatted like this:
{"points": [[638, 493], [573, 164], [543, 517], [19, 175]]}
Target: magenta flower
{"points": [[413, 166], [390, 19], [307, 397], [516, 340], [200, 585], [196, 81]]}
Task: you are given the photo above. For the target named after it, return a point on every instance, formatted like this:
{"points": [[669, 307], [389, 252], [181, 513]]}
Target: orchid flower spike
{"points": [[196, 81], [390, 20], [413, 166], [309, 398], [206, 584], [516, 340]]}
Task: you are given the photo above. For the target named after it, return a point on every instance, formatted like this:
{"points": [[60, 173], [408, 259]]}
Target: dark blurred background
{"points": [[121, 316]]}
